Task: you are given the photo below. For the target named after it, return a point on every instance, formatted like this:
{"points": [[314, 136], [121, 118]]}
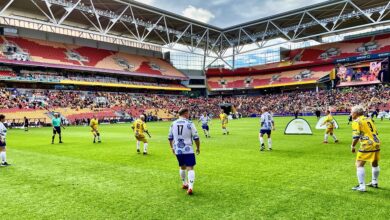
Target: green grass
{"points": [[301, 178]]}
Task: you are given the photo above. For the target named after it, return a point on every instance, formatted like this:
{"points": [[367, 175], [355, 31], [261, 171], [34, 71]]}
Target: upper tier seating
{"points": [[58, 54], [316, 55]]}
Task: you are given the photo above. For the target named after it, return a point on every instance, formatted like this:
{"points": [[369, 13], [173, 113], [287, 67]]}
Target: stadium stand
{"points": [[317, 60], [83, 105], [63, 55]]}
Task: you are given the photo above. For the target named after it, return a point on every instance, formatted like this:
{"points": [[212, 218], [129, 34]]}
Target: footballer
{"points": [[330, 125], [94, 124], [139, 128], [224, 121], [205, 119], [3, 144], [365, 132], [267, 124], [181, 135]]}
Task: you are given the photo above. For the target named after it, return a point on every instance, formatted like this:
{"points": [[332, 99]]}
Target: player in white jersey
{"points": [[267, 124], [205, 119], [181, 135], [3, 144]]}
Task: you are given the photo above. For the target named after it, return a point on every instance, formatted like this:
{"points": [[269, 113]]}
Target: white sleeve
{"points": [[194, 132], [170, 134]]}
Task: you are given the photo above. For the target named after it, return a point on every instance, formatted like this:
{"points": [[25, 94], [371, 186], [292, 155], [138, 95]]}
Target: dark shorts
{"points": [[3, 144], [205, 127], [268, 132], [26, 125], [186, 160], [56, 130]]}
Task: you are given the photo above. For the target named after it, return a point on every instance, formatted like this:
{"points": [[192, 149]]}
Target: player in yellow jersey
{"points": [[139, 128], [330, 125], [94, 124], [365, 132], [224, 120]]}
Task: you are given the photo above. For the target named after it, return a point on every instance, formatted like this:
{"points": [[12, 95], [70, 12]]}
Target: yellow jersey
{"points": [[139, 127], [329, 121], [94, 123], [364, 129], [224, 118]]}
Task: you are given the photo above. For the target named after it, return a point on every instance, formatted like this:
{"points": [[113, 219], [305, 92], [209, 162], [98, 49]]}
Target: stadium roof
{"points": [[127, 20]]}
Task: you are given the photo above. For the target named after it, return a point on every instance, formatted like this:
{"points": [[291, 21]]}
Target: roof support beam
{"points": [[48, 5], [43, 12], [97, 16], [115, 20], [335, 25], [383, 13], [6, 6], [68, 12], [361, 11]]}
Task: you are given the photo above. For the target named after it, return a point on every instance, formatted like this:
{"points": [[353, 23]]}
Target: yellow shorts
{"points": [[329, 131], [368, 156], [224, 126], [141, 138], [94, 131]]}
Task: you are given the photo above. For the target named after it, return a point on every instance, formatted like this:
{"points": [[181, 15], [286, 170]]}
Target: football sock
{"points": [[183, 176], [98, 136], [334, 137], [60, 138], [145, 147], [138, 143], [360, 174], [261, 141], [269, 143], [3, 157], [52, 138], [191, 178], [375, 174], [326, 137]]}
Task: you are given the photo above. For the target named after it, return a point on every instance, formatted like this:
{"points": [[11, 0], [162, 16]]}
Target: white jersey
{"points": [[204, 119], [182, 132], [3, 131], [266, 121]]}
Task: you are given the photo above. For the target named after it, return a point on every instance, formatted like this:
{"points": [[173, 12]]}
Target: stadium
{"points": [[103, 101]]}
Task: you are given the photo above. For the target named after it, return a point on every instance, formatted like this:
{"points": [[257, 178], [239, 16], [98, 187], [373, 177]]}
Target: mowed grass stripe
{"points": [[301, 178]]}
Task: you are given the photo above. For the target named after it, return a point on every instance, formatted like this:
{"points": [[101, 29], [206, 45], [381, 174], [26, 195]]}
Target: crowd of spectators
{"points": [[282, 103], [56, 76]]}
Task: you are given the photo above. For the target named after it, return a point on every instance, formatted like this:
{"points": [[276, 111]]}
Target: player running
{"points": [[267, 124], [3, 144], [139, 128], [205, 119], [224, 120], [365, 132], [330, 124], [94, 124], [57, 124], [180, 137]]}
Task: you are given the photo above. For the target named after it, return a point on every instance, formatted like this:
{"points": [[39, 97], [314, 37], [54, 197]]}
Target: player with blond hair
{"points": [[365, 132]]}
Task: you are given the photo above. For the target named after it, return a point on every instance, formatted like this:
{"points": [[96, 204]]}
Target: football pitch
{"points": [[300, 178]]}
